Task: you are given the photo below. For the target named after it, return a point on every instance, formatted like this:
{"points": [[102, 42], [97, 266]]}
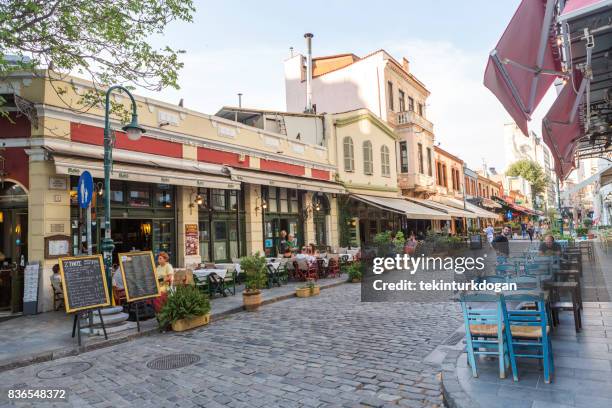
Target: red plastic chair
{"points": [[333, 268]]}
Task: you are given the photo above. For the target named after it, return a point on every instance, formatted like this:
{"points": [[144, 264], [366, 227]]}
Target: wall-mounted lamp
{"points": [[1, 216], [260, 205], [100, 188]]}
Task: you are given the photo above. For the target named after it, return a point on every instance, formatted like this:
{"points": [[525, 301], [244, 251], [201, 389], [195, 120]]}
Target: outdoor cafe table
{"points": [[215, 278]]}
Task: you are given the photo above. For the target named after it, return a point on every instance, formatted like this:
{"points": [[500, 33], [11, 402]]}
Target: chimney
{"points": [[406, 65], [308, 37]]}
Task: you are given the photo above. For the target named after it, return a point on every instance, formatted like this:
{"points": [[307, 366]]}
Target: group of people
{"points": [[500, 242]]}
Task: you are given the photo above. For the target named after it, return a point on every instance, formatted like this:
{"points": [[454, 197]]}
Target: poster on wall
{"points": [[191, 239]]}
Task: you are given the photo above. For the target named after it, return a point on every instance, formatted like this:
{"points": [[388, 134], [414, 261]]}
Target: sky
{"points": [[239, 46]]}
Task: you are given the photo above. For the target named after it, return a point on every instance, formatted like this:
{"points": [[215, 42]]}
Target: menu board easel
{"points": [[85, 289], [139, 278]]}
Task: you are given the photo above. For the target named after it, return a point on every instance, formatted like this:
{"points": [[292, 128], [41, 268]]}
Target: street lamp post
{"points": [[133, 131]]}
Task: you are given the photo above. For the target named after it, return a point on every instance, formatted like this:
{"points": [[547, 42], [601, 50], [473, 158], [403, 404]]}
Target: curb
{"points": [[452, 392], [74, 351]]}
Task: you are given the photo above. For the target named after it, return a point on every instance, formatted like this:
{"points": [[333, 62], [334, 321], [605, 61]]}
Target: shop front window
{"points": [[220, 237], [164, 196], [204, 240], [272, 204], [284, 207], [218, 199], [139, 196], [117, 196], [293, 196]]}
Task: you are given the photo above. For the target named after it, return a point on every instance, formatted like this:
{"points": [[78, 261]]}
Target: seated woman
{"points": [[313, 250], [411, 244], [165, 272], [549, 246]]}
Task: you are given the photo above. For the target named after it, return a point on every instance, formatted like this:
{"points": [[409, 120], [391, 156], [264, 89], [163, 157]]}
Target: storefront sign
{"points": [[84, 283], [58, 183], [139, 277], [191, 239]]}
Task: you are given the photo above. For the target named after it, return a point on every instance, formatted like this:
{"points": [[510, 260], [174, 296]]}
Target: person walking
{"points": [[490, 231], [530, 231]]}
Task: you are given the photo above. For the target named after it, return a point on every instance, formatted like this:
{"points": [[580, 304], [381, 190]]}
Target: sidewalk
{"points": [[583, 361], [47, 336]]}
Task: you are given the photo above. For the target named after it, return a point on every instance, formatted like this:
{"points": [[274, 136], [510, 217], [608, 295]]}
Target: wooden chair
{"points": [[58, 298], [119, 296], [557, 305], [307, 270], [333, 268], [587, 247], [529, 332], [483, 314]]}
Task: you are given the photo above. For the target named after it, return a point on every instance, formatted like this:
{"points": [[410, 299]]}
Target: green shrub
{"points": [[354, 271], [182, 303], [399, 241], [254, 267], [588, 223], [580, 231]]}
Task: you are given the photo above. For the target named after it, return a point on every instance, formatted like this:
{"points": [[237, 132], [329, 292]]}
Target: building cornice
{"points": [[189, 140], [369, 117]]}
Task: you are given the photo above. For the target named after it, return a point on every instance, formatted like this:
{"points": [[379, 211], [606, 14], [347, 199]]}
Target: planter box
{"points": [[251, 300], [306, 292], [355, 280], [190, 323]]}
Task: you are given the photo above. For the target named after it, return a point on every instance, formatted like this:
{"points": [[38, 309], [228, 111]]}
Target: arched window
{"points": [[349, 154], [384, 161], [368, 162]]}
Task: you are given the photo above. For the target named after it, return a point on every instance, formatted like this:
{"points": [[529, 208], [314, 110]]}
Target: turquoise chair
{"points": [[483, 314], [505, 269], [528, 336]]}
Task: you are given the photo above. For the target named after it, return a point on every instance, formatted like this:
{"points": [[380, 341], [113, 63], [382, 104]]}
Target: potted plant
{"points": [[185, 308], [354, 272], [310, 288], [254, 267]]}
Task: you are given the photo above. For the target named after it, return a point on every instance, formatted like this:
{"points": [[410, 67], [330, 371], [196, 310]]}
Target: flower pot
{"points": [[251, 300], [307, 292], [190, 323], [591, 236]]}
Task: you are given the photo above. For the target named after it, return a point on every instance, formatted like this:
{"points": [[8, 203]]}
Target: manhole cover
{"points": [[454, 339], [63, 370], [172, 361]]}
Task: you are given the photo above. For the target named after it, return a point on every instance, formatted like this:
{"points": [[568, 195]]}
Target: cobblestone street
{"points": [[331, 350]]}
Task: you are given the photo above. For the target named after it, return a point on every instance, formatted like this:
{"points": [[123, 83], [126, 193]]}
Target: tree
{"points": [[532, 172], [108, 41]]}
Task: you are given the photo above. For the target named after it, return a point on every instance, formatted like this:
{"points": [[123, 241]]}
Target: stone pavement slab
{"points": [[47, 336], [326, 351], [583, 361]]}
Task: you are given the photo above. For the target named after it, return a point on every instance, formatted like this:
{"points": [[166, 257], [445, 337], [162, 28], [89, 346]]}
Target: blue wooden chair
{"points": [[483, 315], [505, 269], [528, 336]]}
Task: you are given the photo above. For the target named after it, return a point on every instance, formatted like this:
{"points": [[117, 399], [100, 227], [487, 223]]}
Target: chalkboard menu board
{"points": [[139, 277], [84, 283]]}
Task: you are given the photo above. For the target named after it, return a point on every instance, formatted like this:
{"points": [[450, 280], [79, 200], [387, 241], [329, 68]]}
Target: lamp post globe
{"points": [[133, 130]]}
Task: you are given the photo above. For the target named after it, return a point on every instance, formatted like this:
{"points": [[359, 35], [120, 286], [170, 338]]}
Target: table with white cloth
{"points": [[215, 278]]}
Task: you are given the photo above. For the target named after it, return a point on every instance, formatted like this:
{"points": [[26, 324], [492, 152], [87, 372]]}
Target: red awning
{"points": [[561, 127], [522, 66]]}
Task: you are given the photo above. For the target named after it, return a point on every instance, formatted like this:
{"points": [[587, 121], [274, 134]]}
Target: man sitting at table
{"points": [[500, 242], [549, 246]]}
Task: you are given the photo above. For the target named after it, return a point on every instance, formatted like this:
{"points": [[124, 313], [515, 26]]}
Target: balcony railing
{"points": [[409, 118]]}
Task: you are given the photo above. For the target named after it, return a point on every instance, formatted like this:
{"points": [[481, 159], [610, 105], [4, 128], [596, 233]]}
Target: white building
{"points": [[518, 147], [384, 86]]}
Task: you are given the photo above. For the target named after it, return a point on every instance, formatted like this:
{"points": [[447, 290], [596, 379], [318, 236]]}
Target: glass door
{"points": [[220, 235]]}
